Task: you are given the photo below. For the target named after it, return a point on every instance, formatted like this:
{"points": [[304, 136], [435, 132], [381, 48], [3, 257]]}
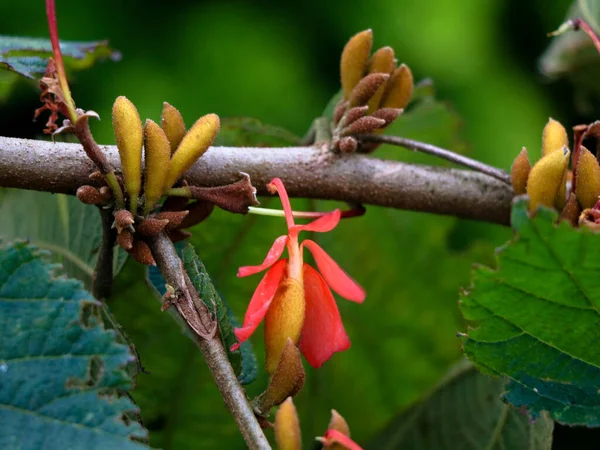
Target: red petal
{"points": [[323, 224], [323, 333], [261, 300], [285, 201], [274, 253], [336, 278], [335, 437]]}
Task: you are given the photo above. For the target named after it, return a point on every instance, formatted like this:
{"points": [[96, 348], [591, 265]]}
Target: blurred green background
{"points": [[279, 62]]}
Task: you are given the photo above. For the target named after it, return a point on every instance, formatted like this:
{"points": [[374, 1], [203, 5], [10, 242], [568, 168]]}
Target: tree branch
{"points": [[438, 152], [310, 172], [233, 394], [102, 280]]}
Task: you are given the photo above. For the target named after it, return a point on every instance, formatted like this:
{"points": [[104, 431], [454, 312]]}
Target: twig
{"points": [[440, 153], [309, 172], [233, 394], [102, 279]]}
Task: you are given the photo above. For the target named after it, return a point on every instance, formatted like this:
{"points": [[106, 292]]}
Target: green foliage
{"points": [[29, 56], [243, 360], [538, 318], [62, 224], [62, 374], [463, 413]]}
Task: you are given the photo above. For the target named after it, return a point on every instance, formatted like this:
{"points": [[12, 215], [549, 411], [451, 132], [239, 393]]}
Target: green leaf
{"points": [[62, 224], [538, 318], [207, 292], [248, 132], [29, 56], [464, 412], [572, 55], [61, 372], [243, 360]]}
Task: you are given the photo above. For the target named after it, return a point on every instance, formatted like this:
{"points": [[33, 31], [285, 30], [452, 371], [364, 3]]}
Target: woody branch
{"points": [[309, 172]]}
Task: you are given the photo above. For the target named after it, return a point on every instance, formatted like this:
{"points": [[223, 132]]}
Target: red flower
{"points": [[335, 438], [295, 298]]}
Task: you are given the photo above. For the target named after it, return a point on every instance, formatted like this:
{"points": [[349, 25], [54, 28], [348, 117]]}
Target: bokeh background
{"points": [[279, 62]]}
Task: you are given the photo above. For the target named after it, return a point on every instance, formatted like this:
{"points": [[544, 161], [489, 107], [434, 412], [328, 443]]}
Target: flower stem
{"points": [[58, 59], [359, 210]]}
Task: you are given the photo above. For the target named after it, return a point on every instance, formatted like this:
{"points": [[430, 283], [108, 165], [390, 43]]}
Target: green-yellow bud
{"points": [[157, 156], [192, 146], [129, 136], [546, 178]]}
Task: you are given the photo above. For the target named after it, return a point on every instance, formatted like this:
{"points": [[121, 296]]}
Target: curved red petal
{"points": [[261, 300], [336, 278], [285, 201], [335, 437], [275, 252], [323, 333], [323, 224]]}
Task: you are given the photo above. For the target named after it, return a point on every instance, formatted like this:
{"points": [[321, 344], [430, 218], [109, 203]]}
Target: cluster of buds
{"points": [[551, 183], [375, 92], [168, 151], [288, 435]]}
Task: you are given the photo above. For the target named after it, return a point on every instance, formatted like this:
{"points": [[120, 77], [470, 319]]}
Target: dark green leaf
{"points": [[538, 318], [242, 360], [61, 372], [204, 286], [62, 224], [248, 132], [29, 56], [464, 412]]}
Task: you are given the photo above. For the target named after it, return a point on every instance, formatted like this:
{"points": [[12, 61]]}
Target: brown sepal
{"points": [[339, 111], [363, 125], [354, 114], [590, 218], [366, 88], [106, 193], [197, 212], [97, 177], [287, 380], [571, 211], [89, 195], [387, 114], [348, 144], [519, 172], [151, 226], [125, 239], [123, 219], [141, 252], [178, 235], [236, 197], [174, 217]]}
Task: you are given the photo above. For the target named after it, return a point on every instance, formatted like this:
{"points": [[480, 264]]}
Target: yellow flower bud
{"points": [[192, 146], [284, 320], [354, 60], [399, 88], [520, 172], [287, 427], [554, 137], [546, 178], [382, 61], [128, 134], [173, 125], [587, 181], [158, 156]]}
